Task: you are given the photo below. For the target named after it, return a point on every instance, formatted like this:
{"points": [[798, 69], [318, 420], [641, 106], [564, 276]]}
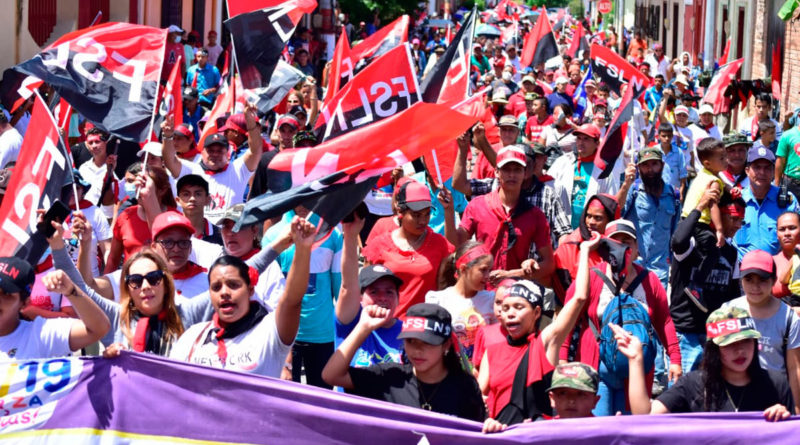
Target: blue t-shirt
{"points": [[381, 346], [207, 77], [324, 280]]}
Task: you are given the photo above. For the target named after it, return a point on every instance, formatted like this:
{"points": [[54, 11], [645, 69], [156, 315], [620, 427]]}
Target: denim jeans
{"points": [[612, 393], [691, 350]]}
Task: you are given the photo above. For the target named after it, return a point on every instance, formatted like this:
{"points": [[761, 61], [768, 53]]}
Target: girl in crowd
{"points": [[729, 379], [413, 251], [242, 336], [464, 276], [528, 350], [431, 379]]}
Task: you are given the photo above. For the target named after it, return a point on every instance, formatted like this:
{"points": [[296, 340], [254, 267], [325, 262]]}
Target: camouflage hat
{"points": [[537, 148], [575, 375], [531, 96], [232, 213], [735, 138], [305, 135], [650, 154], [727, 325]]}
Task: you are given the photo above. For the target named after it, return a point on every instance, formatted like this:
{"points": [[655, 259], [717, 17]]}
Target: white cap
{"points": [[682, 79], [562, 79], [706, 108], [152, 147], [174, 28]]}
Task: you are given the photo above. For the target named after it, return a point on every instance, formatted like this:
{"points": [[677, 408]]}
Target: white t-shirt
{"points": [[10, 143], [468, 314], [40, 338], [257, 351], [213, 53], [101, 231], [225, 188], [204, 253], [190, 288]]}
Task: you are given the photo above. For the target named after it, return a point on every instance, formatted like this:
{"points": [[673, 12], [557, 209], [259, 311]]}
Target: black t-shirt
{"points": [[708, 272], [458, 394], [763, 391]]}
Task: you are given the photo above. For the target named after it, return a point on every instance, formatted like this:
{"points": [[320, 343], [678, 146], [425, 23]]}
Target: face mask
{"points": [[177, 39], [130, 189]]}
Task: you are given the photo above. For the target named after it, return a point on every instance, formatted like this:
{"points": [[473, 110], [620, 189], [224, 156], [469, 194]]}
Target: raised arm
{"points": [[287, 312], [349, 302], [638, 398], [337, 370], [93, 324], [460, 181], [82, 228], [168, 154], [255, 143]]}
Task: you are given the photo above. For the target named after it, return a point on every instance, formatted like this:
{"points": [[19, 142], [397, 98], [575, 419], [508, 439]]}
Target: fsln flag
{"points": [[611, 145], [109, 73], [42, 169], [16, 88], [579, 42], [294, 8], [449, 78], [613, 70], [384, 88], [540, 44], [341, 67], [719, 83], [776, 71], [171, 102], [283, 79], [380, 42]]}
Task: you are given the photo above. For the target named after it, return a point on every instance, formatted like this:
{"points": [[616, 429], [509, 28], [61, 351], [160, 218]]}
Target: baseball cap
{"points": [[590, 83], [706, 108], [657, 46], [305, 136], [758, 262], [735, 138], [531, 96], [190, 93], [298, 109], [192, 179], [16, 275], [499, 97], [756, 153], [590, 130], [727, 325], [575, 375], [216, 138], [601, 103], [152, 147], [682, 109], [288, 119], [170, 219], [232, 213], [415, 41], [528, 290], [476, 46], [413, 195], [174, 28], [507, 121], [528, 79], [427, 322], [236, 122], [561, 79], [511, 153], [185, 130], [649, 154], [373, 273], [77, 178], [537, 148], [620, 226]]}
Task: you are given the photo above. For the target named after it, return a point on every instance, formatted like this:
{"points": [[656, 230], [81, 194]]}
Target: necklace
{"points": [[426, 405], [741, 396]]}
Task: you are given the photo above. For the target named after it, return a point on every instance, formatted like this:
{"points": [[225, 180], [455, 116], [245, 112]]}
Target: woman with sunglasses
{"points": [[242, 336]]}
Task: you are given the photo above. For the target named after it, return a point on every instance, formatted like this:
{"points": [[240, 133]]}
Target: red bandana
{"points": [[142, 329], [189, 270]]}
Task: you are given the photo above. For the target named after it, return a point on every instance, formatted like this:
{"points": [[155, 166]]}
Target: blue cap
{"points": [[760, 152]]}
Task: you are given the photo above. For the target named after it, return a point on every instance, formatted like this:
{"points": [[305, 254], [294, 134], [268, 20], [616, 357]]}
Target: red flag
{"points": [[171, 100], [540, 44], [293, 8], [714, 94], [724, 59], [16, 88], [612, 69], [385, 87], [611, 145], [41, 170], [341, 67], [382, 40], [62, 113], [222, 105], [776, 70], [578, 42], [507, 10]]}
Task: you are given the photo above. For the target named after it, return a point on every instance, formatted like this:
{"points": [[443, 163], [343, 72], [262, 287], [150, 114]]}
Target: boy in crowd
{"points": [[711, 153]]}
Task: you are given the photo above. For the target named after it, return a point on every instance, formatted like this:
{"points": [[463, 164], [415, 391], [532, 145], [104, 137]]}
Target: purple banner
{"points": [[143, 399]]}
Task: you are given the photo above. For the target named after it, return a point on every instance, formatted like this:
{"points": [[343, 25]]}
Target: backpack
{"points": [[624, 310]]}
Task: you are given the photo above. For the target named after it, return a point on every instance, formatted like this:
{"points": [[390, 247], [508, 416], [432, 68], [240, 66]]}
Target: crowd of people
{"points": [[528, 287]]}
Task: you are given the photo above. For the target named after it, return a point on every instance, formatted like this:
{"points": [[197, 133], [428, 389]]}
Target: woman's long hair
{"points": [[173, 327], [714, 396]]}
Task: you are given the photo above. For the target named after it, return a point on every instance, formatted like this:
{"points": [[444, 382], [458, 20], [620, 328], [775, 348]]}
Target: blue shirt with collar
{"points": [[674, 166], [655, 221], [760, 226], [207, 77]]}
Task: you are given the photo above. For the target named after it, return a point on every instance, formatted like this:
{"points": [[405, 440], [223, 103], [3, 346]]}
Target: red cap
{"points": [[289, 119], [235, 122], [758, 262], [171, 219], [185, 131], [590, 130], [414, 195], [511, 153]]}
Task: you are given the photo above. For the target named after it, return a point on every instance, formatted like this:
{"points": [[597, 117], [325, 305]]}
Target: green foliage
{"points": [[576, 8], [548, 3], [388, 10]]}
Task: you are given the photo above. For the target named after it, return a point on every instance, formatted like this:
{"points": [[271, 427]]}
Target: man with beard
{"points": [[654, 208]]}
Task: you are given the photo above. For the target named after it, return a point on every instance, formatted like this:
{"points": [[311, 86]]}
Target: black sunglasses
{"points": [[153, 278]]}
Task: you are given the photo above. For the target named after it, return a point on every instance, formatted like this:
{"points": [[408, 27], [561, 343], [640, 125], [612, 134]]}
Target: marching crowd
{"points": [[529, 287]]}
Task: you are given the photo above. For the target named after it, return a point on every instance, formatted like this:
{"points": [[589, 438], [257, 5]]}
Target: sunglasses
{"points": [[136, 280]]}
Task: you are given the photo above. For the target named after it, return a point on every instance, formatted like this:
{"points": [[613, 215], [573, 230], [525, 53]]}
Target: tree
{"points": [[388, 10]]}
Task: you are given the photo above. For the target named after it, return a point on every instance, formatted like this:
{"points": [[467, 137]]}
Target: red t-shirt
{"points": [[418, 269], [534, 128], [504, 360], [382, 225], [487, 336], [132, 231], [530, 227], [483, 169], [516, 104], [173, 53]]}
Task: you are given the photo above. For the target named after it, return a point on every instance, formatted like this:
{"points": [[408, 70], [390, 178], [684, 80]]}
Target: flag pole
{"points": [[436, 166]]}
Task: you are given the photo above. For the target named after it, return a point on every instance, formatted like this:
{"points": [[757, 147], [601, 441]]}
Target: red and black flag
{"points": [[379, 43], [283, 79], [260, 35], [579, 43], [171, 101], [384, 88], [449, 79], [341, 67], [611, 145], [41, 171], [109, 73], [614, 71], [16, 88], [332, 178], [715, 93], [540, 44]]}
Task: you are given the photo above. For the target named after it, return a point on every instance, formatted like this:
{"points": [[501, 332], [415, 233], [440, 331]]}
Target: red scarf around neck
{"points": [[143, 329]]}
